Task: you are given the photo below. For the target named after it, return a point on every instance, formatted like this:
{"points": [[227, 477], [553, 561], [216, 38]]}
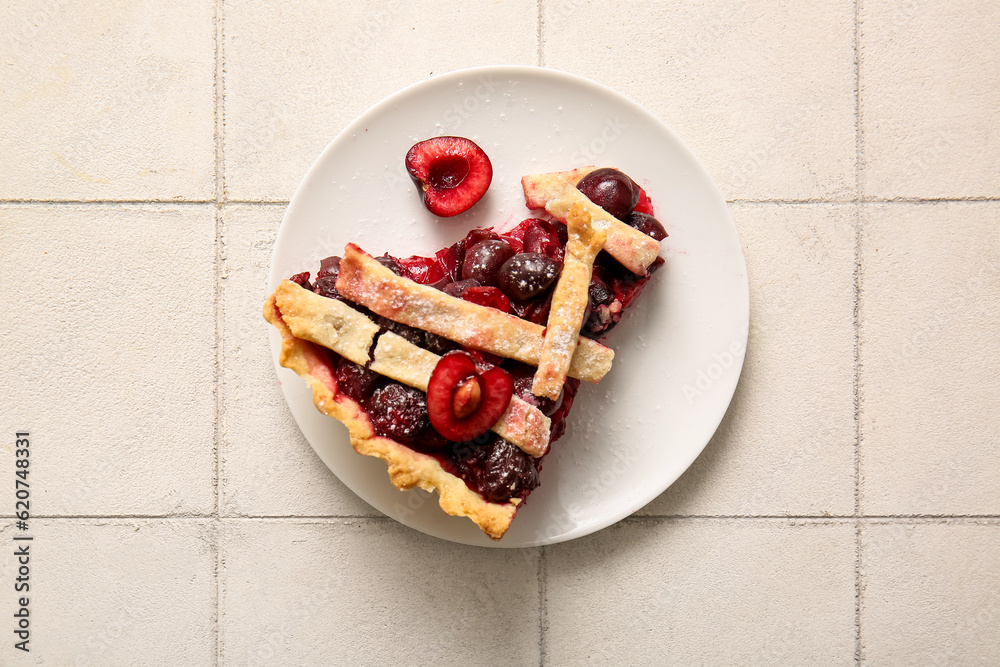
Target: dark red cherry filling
{"points": [[356, 381], [514, 272], [490, 297], [495, 468], [398, 411]]}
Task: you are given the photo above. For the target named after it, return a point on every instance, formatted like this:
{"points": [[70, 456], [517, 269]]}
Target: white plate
{"points": [[679, 350]]}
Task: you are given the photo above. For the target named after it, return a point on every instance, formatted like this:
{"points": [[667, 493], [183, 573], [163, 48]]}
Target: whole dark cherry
{"points": [[326, 278], [647, 224], [600, 293], [391, 264], [480, 234], [398, 411], [522, 389], [527, 275], [457, 288], [328, 287], [484, 259], [431, 441], [357, 381], [612, 190], [600, 317], [329, 267], [498, 469]]}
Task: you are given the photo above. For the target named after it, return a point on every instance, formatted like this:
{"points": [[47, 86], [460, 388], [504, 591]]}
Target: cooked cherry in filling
{"points": [[514, 272]]}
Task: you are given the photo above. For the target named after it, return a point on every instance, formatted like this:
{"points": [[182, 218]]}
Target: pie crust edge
{"points": [[407, 468]]}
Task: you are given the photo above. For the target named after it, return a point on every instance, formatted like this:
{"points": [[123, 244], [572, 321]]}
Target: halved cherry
{"points": [[463, 402], [453, 173]]}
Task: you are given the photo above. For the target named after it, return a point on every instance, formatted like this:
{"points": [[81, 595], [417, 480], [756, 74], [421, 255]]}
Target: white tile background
{"points": [[847, 510]]}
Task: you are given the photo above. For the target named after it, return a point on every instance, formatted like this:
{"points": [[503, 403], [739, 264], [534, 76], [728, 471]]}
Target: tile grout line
{"points": [[868, 518], [223, 202], [543, 603], [106, 202], [541, 24], [859, 187], [816, 518], [219, 202], [220, 195], [542, 569], [217, 435]]}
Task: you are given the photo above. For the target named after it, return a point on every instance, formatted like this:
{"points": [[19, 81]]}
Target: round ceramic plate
{"points": [[678, 352]]}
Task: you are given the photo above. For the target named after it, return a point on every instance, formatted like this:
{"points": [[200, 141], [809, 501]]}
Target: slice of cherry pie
{"points": [[459, 370]]}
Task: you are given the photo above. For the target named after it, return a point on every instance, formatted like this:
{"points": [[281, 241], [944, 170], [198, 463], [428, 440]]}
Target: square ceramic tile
{"points": [[930, 593], [295, 75], [113, 592], [762, 91], [930, 103], [108, 101], [930, 326], [267, 467], [787, 444], [703, 592], [108, 355], [372, 592]]}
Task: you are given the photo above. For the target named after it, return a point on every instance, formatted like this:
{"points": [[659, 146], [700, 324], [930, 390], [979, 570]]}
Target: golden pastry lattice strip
{"points": [[366, 282], [556, 193], [522, 424], [407, 467], [327, 322], [569, 302]]}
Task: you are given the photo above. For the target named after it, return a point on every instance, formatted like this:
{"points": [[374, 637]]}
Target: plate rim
{"points": [[359, 122]]}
